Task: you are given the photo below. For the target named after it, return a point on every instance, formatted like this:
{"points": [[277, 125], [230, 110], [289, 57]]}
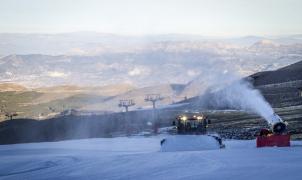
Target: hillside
{"points": [[65, 91], [109, 90], [170, 93], [11, 87], [282, 87], [289, 73], [76, 124], [46, 102]]}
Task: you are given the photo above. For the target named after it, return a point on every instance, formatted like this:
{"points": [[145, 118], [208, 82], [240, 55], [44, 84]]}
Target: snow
{"points": [[189, 143], [140, 158]]}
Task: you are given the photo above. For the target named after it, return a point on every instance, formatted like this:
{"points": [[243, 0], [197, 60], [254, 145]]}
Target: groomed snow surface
{"points": [[141, 158]]}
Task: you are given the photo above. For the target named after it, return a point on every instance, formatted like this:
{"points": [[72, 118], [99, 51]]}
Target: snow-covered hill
{"points": [[140, 158]]}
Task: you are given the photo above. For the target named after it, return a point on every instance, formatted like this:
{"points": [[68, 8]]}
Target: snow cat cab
{"points": [[191, 123], [275, 136]]}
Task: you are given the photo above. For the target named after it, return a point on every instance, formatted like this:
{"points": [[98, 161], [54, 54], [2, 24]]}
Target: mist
{"points": [[227, 90], [242, 95]]}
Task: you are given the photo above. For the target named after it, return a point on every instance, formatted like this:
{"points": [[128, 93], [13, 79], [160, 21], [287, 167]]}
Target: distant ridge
{"points": [[11, 87], [292, 72]]}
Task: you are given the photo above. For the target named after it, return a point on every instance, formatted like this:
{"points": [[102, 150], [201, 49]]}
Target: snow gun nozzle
{"points": [[277, 124]]}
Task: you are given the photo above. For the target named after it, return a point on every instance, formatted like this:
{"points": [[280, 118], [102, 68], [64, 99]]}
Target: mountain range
{"points": [[91, 43], [44, 74], [38, 60]]}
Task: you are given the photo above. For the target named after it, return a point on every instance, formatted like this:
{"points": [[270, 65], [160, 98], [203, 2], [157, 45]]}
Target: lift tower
{"points": [[126, 103], [153, 98]]}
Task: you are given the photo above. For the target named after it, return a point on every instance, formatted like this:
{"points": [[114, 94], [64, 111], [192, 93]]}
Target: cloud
{"points": [[192, 73], [134, 72], [57, 74], [9, 73], [137, 71]]}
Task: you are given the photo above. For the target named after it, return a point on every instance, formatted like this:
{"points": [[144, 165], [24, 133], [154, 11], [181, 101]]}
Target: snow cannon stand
{"points": [[271, 140], [276, 137]]}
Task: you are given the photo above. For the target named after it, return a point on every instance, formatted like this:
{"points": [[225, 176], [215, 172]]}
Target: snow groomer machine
{"points": [[190, 134], [277, 135], [192, 123]]}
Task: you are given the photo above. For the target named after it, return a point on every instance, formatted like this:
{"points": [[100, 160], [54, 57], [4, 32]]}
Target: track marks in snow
{"points": [[35, 165]]}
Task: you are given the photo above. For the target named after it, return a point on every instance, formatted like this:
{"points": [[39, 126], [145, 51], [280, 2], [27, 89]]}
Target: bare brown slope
{"points": [[11, 87]]}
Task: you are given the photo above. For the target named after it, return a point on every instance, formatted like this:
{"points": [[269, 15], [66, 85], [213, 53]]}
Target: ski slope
{"points": [[140, 158]]}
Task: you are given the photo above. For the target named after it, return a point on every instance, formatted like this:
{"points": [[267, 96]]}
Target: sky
{"points": [[139, 17]]}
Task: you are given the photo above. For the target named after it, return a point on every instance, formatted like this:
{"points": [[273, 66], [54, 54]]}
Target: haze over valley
{"points": [[95, 70]]}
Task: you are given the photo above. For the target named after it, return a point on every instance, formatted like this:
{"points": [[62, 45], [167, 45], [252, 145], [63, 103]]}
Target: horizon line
{"points": [[154, 34]]}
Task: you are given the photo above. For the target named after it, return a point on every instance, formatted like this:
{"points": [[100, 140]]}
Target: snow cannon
{"points": [[278, 126], [276, 136]]}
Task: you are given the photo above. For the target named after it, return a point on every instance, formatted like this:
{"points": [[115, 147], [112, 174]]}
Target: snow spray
{"points": [[243, 96]]}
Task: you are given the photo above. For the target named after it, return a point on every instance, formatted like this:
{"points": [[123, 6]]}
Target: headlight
{"points": [[199, 117], [184, 118]]}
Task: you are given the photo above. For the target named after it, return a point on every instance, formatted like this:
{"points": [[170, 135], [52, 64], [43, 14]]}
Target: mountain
{"points": [[93, 43], [96, 59], [158, 63], [282, 87], [109, 90], [46, 102], [273, 47], [289, 73], [52, 71], [11, 87], [170, 92]]}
